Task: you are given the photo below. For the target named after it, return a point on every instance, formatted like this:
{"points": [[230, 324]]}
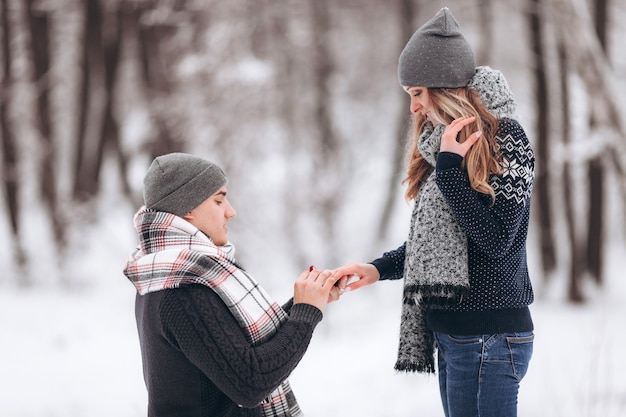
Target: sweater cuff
{"points": [[384, 267], [448, 160], [306, 313], [287, 306]]}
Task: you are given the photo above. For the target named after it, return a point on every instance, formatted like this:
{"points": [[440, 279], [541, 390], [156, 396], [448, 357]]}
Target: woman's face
{"points": [[420, 101]]}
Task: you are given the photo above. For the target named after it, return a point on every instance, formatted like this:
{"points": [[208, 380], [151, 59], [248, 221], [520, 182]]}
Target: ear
{"points": [[189, 217]]}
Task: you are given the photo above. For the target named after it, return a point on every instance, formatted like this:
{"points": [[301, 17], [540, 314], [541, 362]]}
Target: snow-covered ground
{"points": [[75, 354]]}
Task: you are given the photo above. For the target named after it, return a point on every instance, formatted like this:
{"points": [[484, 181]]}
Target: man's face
{"points": [[212, 216]]}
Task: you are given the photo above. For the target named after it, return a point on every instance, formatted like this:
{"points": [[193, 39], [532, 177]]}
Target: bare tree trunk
{"points": [[10, 162], [155, 76], [323, 68], [406, 17], [585, 52], [110, 132], [601, 8], [98, 128], [595, 217], [39, 21], [576, 250], [89, 144], [596, 173], [543, 178], [591, 64]]}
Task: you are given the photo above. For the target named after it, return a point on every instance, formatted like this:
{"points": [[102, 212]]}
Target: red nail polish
{"points": [[311, 268]]}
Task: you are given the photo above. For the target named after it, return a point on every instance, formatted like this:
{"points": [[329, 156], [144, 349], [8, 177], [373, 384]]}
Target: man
{"points": [[213, 342]]}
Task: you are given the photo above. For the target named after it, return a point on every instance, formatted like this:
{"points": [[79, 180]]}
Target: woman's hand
{"points": [[365, 274], [448, 139]]}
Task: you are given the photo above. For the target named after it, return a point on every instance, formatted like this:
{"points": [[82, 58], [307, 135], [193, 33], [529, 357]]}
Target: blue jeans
{"points": [[479, 376]]}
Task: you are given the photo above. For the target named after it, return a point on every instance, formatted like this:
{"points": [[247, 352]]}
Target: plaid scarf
{"points": [[172, 252]]}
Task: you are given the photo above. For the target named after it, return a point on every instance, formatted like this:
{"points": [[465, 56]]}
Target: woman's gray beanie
{"points": [[178, 182], [437, 55]]}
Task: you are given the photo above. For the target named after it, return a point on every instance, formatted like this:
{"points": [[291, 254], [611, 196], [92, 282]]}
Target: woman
{"points": [[213, 342], [470, 174]]}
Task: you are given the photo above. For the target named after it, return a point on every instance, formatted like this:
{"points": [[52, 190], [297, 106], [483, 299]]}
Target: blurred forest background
{"points": [[298, 101]]}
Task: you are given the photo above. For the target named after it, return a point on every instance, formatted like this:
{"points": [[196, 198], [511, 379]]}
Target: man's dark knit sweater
{"points": [[211, 367], [500, 288]]}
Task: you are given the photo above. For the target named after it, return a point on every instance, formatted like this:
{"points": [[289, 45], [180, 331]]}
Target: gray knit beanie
{"points": [[437, 55], [178, 182]]}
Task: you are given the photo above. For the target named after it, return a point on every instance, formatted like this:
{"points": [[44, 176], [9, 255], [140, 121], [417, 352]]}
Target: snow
{"points": [[69, 346], [74, 352]]}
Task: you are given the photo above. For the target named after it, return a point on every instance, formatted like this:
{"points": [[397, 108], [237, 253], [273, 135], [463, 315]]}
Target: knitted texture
{"points": [[437, 55], [498, 270], [494, 92], [178, 182], [437, 268], [173, 252], [198, 361]]}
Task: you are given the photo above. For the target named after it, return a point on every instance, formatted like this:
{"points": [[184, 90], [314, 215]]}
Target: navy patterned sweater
{"points": [[500, 287]]}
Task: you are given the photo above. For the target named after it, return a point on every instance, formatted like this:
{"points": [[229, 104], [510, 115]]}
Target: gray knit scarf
{"points": [[436, 259], [435, 264]]}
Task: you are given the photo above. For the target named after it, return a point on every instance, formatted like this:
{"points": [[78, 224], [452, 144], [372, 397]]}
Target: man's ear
{"points": [[188, 217]]}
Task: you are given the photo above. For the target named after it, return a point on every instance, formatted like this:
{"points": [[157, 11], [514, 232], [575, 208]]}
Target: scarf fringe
{"points": [[406, 366], [440, 295]]}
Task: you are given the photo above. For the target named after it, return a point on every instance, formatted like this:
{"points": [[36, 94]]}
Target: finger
{"points": [[471, 140], [355, 285], [303, 275], [310, 276], [457, 124], [328, 279], [341, 278], [342, 269], [474, 137], [463, 121], [334, 294], [451, 133], [342, 272], [315, 275], [341, 283]]}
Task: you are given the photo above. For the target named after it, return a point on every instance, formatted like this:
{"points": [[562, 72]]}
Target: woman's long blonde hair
{"points": [[483, 158]]}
